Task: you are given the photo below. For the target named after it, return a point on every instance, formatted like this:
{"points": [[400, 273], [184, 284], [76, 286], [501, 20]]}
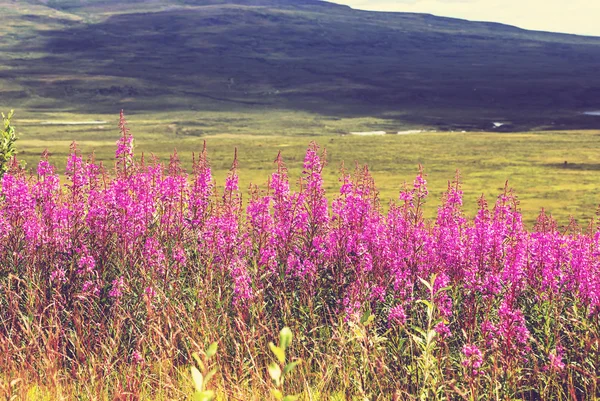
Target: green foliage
{"points": [[279, 370], [202, 374], [8, 137], [425, 339]]}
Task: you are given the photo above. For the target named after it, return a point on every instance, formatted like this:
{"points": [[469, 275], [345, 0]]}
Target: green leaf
{"points": [[290, 398], [425, 283], [209, 375], [198, 360], [290, 366], [275, 372], [443, 289], [431, 335], [207, 395], [197, 378], [419, 330], [285, 338], [426, 303], [278, 352], [365, 316], [418, 340], [278, 395], [211, 350]]}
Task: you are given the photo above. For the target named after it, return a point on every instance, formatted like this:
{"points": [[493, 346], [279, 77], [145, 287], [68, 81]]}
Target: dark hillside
{"points": [[302, 55]]}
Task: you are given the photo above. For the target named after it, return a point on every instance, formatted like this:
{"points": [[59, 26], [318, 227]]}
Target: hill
{"points": [[147, 55]]}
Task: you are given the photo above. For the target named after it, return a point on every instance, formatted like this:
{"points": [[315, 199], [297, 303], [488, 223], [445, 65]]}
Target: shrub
{"points": [[8, 138]]}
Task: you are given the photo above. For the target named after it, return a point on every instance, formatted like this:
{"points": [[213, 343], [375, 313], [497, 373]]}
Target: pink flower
{"points": [[397, 316], [136, 358], [116, 290], [58, 275], [473, 359], [150, 292], [556, 359]]}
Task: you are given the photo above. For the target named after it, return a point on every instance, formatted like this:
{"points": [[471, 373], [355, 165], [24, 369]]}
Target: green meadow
{"points": [[555, 170]]}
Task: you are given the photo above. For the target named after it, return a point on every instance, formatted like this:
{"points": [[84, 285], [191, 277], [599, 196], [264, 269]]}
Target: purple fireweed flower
{"points": [[442, 299], [179, 257], [231, 183], [489, 331], [378, 293], [555, 357], [420, 185], [443, 330], [136, 358], [242, 284], [473, 359], [199, 203], [406, 196], [152, 217], [173, 195], [19, 206], [548, 255], [48, 183], [397, 316], [91, 287], [290, 219], [512, 332], [118, 285], [59, 275], [450, 233], [154, 257], [76, 172], [124, 152], [150, 292], [314, 194], [261, 228], [86, 264]]}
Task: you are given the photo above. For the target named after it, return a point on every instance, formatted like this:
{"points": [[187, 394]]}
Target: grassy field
{"points": [[533, 162]]}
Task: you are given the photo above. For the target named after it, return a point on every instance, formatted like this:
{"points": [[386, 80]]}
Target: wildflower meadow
{"points": [[115, 280]]}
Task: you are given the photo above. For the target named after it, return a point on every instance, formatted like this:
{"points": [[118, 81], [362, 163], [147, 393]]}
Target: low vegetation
{"points": [[531, 161], [114, 281]]}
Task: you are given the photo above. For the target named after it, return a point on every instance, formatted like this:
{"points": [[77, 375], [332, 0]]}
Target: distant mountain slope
{"points": [[298, 54]]}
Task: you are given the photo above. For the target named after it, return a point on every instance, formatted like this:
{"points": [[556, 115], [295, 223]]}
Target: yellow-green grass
{"points": [[533, 162]]}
